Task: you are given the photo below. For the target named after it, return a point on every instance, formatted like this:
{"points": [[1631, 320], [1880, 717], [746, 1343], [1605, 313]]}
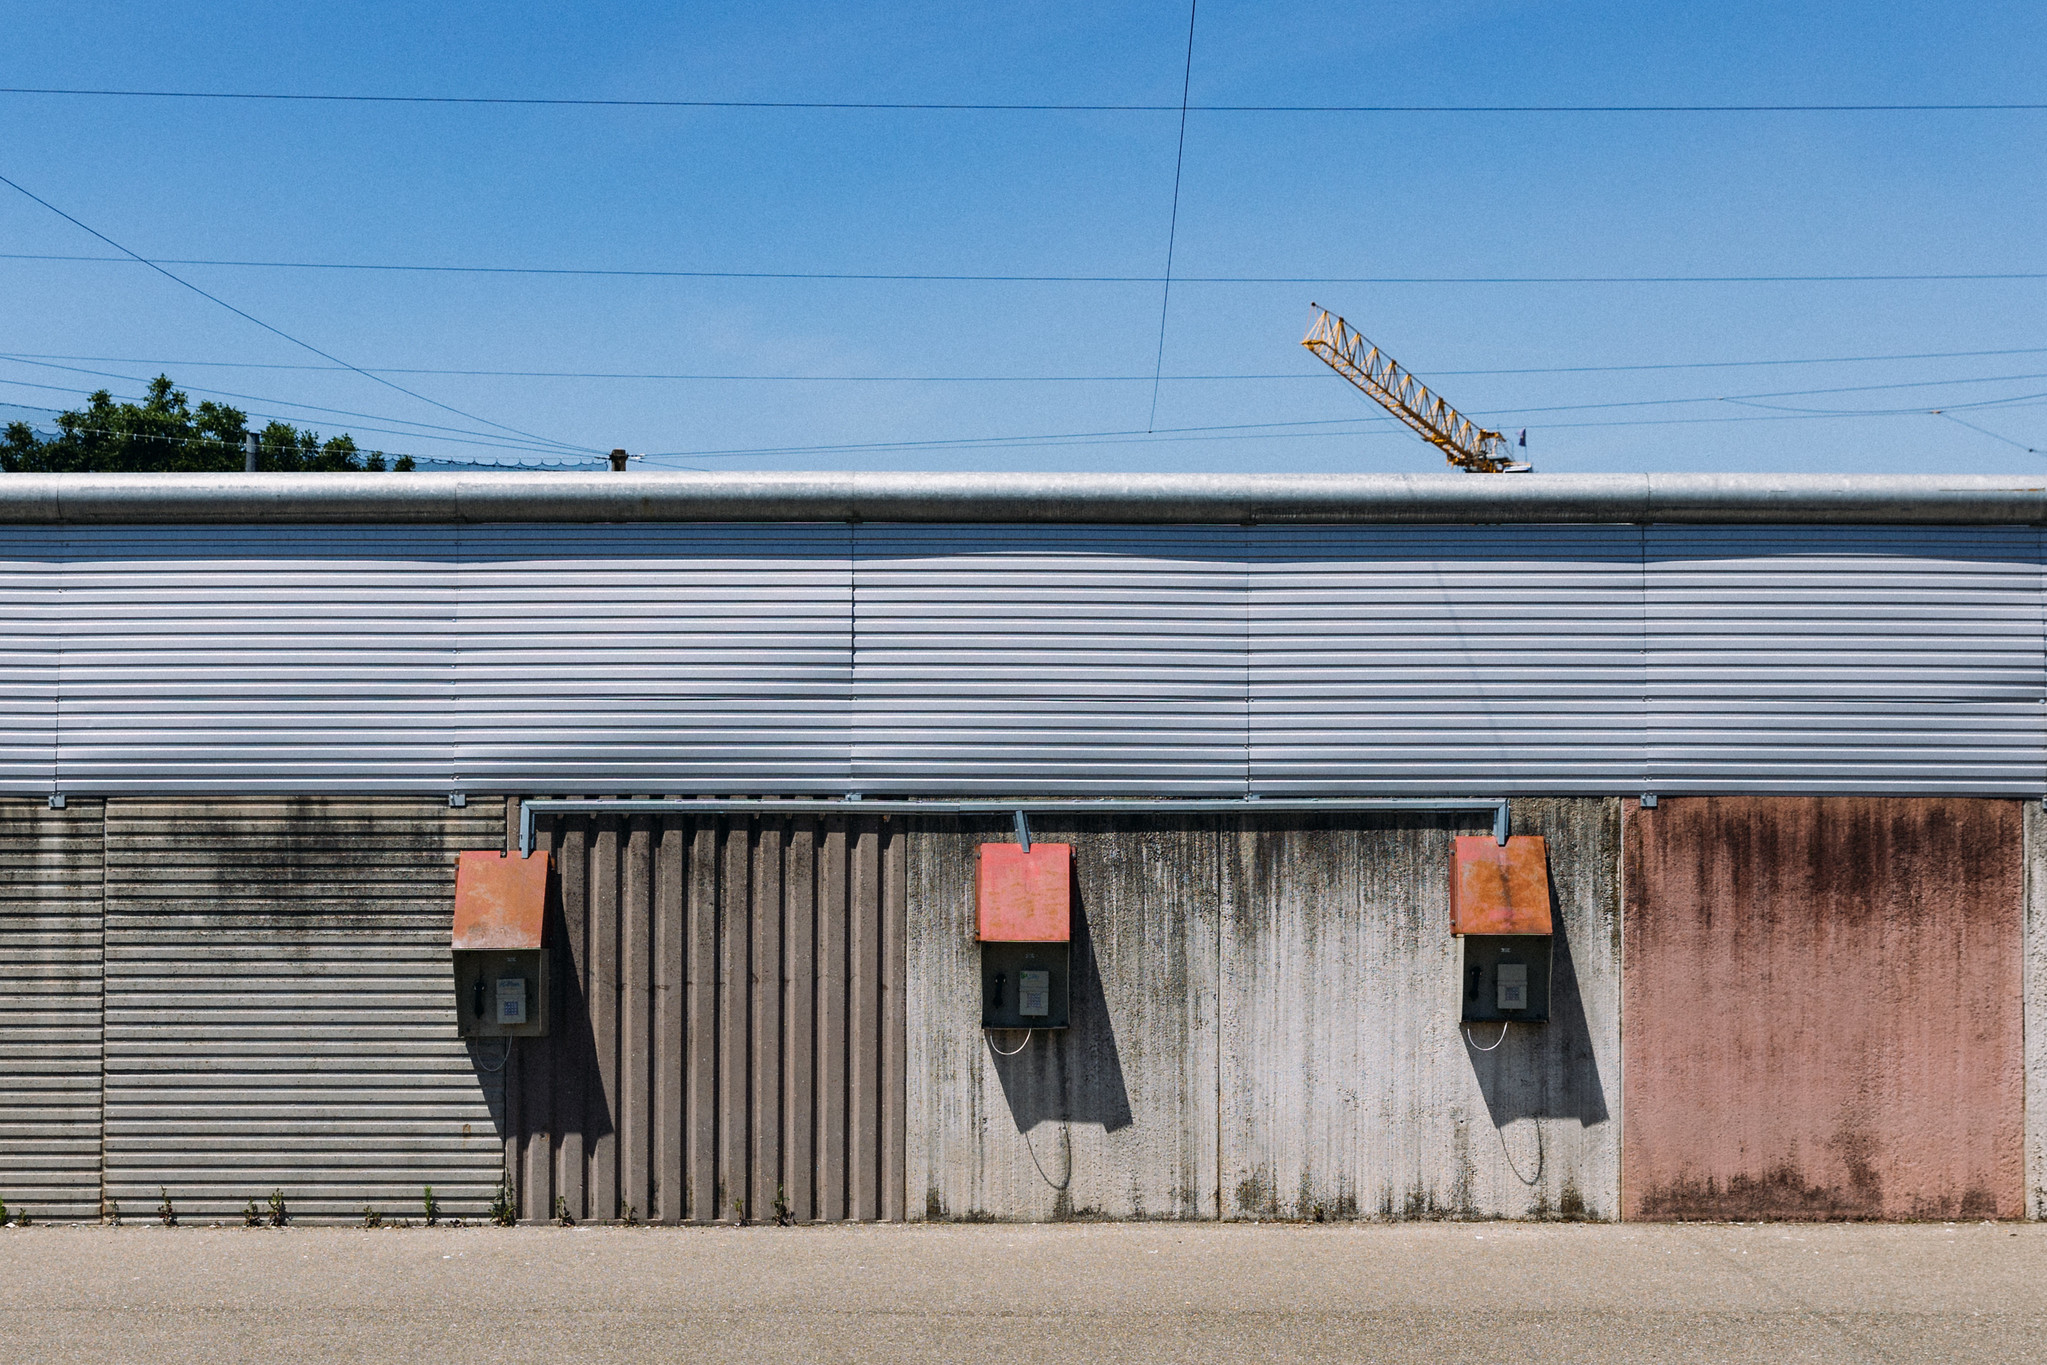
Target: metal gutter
{"points": [[1020, 807], [1241, 499]]}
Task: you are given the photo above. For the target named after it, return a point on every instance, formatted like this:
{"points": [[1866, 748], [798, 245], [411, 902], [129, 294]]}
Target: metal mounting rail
{"points": [[1021, 806]]}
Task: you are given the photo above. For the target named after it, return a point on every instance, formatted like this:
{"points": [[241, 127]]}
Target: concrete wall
{"points": [[1824, 1008], [1265, 1025]]}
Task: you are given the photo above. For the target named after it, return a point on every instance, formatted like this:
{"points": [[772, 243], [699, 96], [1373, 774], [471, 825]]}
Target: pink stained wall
{"points": [[1822, 1005]]}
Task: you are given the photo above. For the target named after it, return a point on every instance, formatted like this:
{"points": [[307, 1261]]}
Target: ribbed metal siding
{"points": [[1446, 658], [1050, 659], [30, 564], [727, 1042], [280, 1009], [50, 1008], [633, 659], [259, 659], [1845, 659]]}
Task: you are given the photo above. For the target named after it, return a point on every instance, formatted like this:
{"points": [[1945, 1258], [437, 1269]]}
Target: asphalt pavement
{"points": [[1027, 1295]]}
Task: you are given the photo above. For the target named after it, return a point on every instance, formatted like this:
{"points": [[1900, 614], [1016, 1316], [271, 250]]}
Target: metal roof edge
{"points": [[440, 498]]}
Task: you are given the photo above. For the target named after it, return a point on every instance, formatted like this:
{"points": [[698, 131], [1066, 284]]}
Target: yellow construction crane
{"points": [[1463, 442]]}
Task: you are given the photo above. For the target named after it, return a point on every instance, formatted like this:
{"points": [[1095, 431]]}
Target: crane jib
{"points": [[1463, 442]]}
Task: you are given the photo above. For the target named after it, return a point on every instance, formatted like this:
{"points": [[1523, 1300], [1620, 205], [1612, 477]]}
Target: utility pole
{"points": [[618, 459], [248, 452]]}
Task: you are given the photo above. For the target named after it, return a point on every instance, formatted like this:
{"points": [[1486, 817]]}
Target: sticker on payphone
{"points": [[1034, 993], [1513, 981], [511, 1000]]}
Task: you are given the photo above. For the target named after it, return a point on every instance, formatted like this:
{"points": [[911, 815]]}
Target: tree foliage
{"points": [[165, 434]]}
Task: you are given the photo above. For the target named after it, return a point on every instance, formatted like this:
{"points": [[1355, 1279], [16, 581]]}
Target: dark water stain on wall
{"points": [[1823, 1008]]}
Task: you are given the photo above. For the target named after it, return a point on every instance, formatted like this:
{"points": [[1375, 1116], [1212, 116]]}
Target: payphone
{"points": [[1500, 909], [501, 970], [1023, 919]]}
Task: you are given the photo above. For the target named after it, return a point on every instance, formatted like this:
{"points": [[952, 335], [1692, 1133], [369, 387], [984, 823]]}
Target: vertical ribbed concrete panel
{"points": [[727, 1028], [1113, 1117], [1846, 659], [31, 636], [1824, 1008], [275, 658], [1049, 659], [50, 1008], [619, 659], [1440, 659], [280, 1008], [1349, 1088]]}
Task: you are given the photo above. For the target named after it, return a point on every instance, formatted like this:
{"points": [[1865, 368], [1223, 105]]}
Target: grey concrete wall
{"points": [[1266, 1026], [1114, 1117]]}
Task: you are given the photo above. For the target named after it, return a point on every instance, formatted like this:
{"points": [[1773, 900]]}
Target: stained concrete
{"points": [[1113, 1117], [1824, 1008], [1349, 1088], [1265, 1025]]}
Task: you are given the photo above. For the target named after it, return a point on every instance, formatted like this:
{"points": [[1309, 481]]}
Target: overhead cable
{"points": [[885, 277], [1039, 107], [278, 331], [1173, 223], [1012, 378]]}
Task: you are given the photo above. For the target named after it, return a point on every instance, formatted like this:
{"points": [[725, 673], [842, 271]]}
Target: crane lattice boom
{"points": [[1463, 442]]}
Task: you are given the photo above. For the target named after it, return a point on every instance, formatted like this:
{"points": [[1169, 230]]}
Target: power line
{"points": [[885, 277], [1042, 107], [1294, 376], [457, 440], [1173, 224], [426, 428], [276, 331], [2030, 450]]}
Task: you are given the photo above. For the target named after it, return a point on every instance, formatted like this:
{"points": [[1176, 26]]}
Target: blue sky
{"points": [[906, 374]]}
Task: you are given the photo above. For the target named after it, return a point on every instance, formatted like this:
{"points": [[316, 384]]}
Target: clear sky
{"points": [[939, 374]]}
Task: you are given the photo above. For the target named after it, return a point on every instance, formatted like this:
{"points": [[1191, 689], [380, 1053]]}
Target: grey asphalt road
{"points": [[1028, 1295]]}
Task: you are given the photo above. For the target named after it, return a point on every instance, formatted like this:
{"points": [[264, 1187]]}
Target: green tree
{"points": [[165, 434]]}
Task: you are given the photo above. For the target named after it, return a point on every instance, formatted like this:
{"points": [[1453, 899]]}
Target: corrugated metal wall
{"points": [[1447, 658], [50, 1008], [1868, 658], [1050, 659], [216, 659], [615, 658], [805, 659], [280, 1011], [727, 1037], [30, 629]]}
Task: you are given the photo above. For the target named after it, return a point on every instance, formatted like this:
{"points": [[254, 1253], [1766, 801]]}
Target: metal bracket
{"points": [[1023, 831], [1648, 800], [56, 800], [457, 800]]}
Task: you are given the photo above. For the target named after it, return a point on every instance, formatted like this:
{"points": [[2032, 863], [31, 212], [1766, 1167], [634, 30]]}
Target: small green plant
{"points": [[503, 1211], [739, 1210], [166, 1212], [784, 1215], [3, 1213], [22, 1220], [371, 1218], [252, 1217], [432, 1206], [110, 1212], [562, 1216], [629, 1214], [278, 1215]]}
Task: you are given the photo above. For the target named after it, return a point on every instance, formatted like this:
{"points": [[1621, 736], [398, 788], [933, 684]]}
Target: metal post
{"points": [[248, 452], [618, 459]]}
